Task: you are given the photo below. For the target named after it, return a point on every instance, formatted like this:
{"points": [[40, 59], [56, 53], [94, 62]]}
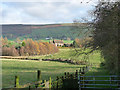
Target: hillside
{"points": [[57, 31]]}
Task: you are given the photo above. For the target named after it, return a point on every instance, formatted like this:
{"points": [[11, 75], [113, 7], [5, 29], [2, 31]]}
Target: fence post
{"points": [[50, 82], [62, 77], [76, 74], [80, 71], [86, 68], [83, 70], [16, 81], [68, 75], [38, 75], [65, 75], [29, 87]]}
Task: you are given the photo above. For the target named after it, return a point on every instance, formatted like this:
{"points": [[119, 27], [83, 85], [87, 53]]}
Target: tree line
{"points": [[26, 47], [105, 34]]}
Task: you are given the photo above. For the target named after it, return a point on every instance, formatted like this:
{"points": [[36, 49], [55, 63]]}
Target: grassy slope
{"points": [[94, 58], [27, 70], [71, 54]]}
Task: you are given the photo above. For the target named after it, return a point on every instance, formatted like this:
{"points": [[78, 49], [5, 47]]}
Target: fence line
{"points": [[69, 80], [76, 80], [90, 81], [38, 84]]}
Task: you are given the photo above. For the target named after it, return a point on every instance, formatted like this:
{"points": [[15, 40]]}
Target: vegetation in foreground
{"points": [[27, 69], [105, 35]]}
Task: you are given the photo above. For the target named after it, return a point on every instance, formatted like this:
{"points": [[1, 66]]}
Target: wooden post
{"points": [[38, 75], [80, 71], [86, 68], [50, 82], [68, 75], [16, 81], [62, 77], [65, 75], [83, 70], [29, 87], [76, 74]]}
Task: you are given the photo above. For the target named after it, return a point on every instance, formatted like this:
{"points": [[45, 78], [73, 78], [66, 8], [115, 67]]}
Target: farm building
{"points": [[57, 42]]}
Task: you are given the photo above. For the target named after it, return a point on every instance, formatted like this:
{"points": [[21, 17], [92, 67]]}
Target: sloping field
{"points": [[27, 70]]}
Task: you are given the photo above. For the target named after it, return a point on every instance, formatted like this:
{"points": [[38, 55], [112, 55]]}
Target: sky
{"points": [[44, 12]]}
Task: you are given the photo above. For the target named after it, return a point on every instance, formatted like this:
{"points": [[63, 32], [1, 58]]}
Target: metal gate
{"points": [[99, 82]]}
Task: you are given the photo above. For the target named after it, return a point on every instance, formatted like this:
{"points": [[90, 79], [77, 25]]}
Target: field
{"points": [[70, 53], [65, 41], [27, 69]]}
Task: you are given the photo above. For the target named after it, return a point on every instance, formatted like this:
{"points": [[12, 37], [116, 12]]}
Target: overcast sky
{"points": [[46, 12]]}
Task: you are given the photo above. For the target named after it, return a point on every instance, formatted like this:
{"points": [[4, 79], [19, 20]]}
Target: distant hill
{"points": [[36, 32]]}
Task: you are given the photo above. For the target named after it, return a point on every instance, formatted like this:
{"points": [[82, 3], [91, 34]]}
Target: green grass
{"points": [[95, 57], [68, 41], [65, 41], [27, 70]]}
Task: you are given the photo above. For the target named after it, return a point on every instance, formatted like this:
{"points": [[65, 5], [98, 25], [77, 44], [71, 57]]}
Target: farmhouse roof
{"points": [[58, 41]]}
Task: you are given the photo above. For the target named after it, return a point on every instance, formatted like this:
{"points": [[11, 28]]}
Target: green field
{"points": [[65, 41], [95, 57], [27, 69]]}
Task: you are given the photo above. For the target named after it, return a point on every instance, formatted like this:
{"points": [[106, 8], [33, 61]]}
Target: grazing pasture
{"points": [[27, 70], [71, 54]]}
